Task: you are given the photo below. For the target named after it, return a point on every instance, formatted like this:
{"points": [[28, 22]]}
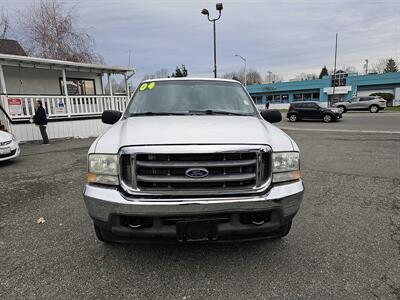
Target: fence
{"points": [[21, 107]]}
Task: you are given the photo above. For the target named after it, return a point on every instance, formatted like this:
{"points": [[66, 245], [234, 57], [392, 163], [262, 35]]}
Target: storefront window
{"points": [[78, 86], [285, 98]]}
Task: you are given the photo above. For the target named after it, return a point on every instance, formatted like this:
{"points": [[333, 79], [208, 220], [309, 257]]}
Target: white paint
{"points": [[35, 81], [62, 129]]}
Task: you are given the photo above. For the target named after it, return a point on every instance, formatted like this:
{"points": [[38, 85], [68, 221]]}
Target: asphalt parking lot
{"points": [[345, 242]]}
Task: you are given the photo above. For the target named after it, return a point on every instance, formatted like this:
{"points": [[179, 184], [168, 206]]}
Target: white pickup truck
{"points": [[192, 160]]}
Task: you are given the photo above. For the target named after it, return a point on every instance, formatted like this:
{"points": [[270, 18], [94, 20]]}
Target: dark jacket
{"points": [[40, 116]]}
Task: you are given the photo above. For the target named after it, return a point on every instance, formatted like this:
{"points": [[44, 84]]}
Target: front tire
{"points": [[327, 118], [373, 109], [293, 118]]}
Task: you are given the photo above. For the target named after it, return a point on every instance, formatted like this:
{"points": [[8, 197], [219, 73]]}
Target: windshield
{"points": [[190, 97]]}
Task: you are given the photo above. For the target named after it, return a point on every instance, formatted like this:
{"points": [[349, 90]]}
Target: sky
{"points": [[286, 37]]}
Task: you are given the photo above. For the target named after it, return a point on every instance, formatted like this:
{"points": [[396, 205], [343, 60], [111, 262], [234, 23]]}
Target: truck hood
{"points": [[173, 130]]}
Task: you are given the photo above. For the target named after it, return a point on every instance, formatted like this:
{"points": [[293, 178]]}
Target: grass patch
{"points": [[283, 110], [393, 108]]}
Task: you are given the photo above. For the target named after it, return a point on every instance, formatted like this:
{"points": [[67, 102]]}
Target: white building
{"points": [[72, 93]]}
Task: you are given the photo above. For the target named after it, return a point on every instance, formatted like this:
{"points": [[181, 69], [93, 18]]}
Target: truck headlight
{"points": [[285, 166], [103, 168]]}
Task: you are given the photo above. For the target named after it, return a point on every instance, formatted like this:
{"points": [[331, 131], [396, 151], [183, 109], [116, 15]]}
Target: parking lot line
{"points": [[341, 130]]}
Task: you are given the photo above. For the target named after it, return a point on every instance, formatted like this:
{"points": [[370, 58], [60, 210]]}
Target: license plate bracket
{"points": [[197, 231]]}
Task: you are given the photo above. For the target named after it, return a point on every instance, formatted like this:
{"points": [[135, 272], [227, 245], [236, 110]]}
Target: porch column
{"points": [[111, 91], [2, 81], [67, 100]]}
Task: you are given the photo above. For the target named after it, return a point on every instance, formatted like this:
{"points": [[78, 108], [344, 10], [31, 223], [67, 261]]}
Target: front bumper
{"points": [[15, 152], [107, 206]]}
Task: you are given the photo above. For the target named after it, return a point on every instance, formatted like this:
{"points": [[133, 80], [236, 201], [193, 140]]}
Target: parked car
{"points": [[9, 147], [373, 104], [192, 160], [310, 110]]}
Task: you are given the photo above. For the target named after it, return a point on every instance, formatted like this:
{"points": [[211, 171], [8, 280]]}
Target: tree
{"points": [[48, 29], [379, 66], [4, 24], [180, 72], [273, 77], [324, 72], [253, 76], [306, 76], [391, 66], [162, 73]]}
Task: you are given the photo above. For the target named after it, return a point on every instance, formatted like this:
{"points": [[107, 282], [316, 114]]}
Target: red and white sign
{"points": [[15, 106]]}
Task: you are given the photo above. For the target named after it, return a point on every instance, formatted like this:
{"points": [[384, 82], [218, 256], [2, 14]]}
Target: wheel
{"points": [[342, 108], [283, 231], [374, 108], [293, 118], [327, 118]]}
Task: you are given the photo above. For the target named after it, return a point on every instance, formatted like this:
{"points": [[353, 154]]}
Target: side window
{"points": [[365, 98]]}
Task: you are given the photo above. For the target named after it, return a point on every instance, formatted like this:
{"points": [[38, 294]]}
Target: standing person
{"points": [[40, 119], [267, 105]]}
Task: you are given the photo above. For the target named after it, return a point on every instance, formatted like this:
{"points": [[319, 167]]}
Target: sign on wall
{"points": [[60, 107], [15, 106], [338, 90]]}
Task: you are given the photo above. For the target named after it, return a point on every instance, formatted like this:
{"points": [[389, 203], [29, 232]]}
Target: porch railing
{"points": [[21, 107]]}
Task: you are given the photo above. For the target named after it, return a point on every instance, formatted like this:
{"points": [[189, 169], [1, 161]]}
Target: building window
{"points": [[269, 98], [315, 96], [76, 86], [257, 99], [277, 99], [297, 97], [285, 98]]}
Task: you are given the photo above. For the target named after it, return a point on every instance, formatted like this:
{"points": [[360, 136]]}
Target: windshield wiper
{"points": [[217, 112], [160, 113]]}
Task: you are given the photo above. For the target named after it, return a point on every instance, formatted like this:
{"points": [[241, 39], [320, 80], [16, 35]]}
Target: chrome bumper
{"points": [[102, 202]]}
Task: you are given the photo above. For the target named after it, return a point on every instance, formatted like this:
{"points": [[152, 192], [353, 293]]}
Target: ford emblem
{"points": [[197, 172]]}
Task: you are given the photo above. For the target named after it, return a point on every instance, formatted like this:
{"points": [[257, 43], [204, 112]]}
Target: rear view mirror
{"points": [[271, 115], [111, 116]]}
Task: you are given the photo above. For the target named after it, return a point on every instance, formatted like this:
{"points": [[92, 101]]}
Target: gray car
{"points": [[373, 104]]}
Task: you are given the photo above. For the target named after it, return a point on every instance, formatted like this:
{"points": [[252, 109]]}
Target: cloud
{"points": [[286, 37]]}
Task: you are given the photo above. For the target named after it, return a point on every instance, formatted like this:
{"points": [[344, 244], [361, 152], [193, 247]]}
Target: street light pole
{"points": [[219, 7], [245, 66]]}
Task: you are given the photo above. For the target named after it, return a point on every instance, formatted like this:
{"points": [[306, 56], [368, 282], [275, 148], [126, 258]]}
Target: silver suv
{"points": [[192, 160], [373, 104]]}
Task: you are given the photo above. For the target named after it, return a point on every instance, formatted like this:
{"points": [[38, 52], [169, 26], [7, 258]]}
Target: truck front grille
{"points": [[167, 173]]}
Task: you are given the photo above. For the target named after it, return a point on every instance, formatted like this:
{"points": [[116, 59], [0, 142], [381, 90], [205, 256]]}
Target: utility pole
{"points": [[334, 71], [366, 66]]}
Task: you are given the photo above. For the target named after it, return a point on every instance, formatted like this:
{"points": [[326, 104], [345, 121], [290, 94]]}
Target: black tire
{"points": [[374, 109], [327, 118], [344, 109], [293, 118]]}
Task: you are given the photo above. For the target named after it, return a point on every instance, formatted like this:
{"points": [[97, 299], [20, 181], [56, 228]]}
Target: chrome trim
{"points": [[102, 201], [195, 149]]}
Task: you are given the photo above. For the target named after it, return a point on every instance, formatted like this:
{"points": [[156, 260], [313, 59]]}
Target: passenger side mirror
{"points": [[271, 115], [111, 116]]}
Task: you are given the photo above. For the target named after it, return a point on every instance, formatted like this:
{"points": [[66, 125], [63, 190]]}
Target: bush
{"points": [[387, 96]]}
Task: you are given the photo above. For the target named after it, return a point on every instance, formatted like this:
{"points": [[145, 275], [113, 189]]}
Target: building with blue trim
{"points": [[346, 86]]}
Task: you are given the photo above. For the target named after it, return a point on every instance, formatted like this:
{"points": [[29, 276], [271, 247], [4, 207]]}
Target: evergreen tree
{"points": [[323, 73], [180, 72], [391, 66]]}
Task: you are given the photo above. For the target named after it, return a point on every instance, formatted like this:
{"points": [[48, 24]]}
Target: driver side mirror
{"points": [[271, 115], [111, 116]]}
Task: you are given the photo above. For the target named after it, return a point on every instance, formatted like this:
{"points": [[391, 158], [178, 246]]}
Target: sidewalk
{"points": [[58, 145]]}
